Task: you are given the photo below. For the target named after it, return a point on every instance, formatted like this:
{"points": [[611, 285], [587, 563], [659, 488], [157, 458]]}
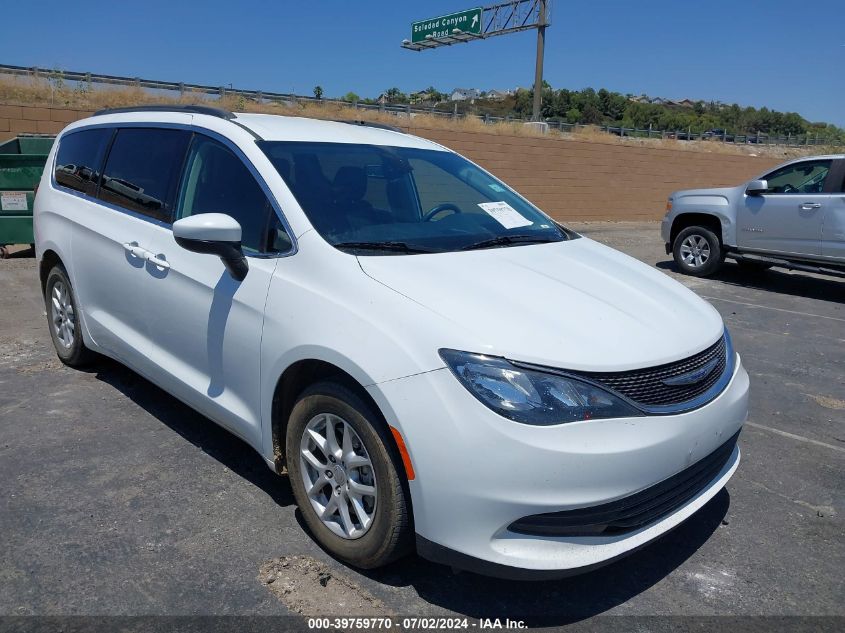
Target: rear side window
{"points": [[217, 181], [80, 159], [142, 170]]}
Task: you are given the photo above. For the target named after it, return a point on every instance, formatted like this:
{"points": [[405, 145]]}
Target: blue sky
{"points": [[788, 56]]}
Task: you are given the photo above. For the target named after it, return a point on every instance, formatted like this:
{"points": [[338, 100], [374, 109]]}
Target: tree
{"points": [[573, 116], [318, 92], [523, 102], [435, 94], [351, 97], [612, 104], [394, 95], [591, 115]]}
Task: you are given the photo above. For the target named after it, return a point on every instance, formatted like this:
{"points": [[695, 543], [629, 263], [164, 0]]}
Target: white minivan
{"points": [[435, 363]]}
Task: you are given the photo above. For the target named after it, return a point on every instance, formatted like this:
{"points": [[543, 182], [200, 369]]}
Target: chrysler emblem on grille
{"points": [[692, 377]]}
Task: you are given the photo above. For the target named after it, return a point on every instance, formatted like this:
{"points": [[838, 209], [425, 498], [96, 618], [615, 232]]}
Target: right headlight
{"points": [[530, 396]]}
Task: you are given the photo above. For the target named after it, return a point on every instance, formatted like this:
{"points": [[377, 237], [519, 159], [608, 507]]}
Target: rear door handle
{"points": [[136, 251], [157, 261], [809, 206]]}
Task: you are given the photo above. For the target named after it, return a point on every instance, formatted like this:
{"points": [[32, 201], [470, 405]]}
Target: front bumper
{"points": [[477, 473], [666, 229]]}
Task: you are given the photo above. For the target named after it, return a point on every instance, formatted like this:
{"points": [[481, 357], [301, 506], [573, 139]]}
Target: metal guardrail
{"points": [[409, 110]]}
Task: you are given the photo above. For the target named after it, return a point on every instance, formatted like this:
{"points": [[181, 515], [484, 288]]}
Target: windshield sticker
{"points": [[496, 188], [505, 214]]}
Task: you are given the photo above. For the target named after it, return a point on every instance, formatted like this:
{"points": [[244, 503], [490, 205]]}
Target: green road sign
{"points": [[468, 21]]}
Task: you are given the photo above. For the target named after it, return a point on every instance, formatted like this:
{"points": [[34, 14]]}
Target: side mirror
{"points": [[756, 187], [214, 234]]}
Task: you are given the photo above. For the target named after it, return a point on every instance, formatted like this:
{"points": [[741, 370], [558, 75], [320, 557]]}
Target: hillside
{"points": [[53, 92]]}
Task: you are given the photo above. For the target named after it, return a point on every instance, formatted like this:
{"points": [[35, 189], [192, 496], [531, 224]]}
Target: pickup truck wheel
{"points": [[346, 477], [698, 251]]}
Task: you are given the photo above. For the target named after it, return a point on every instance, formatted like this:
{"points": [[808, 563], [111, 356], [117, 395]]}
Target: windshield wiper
{"points": [[395, 247], [504, 240]]}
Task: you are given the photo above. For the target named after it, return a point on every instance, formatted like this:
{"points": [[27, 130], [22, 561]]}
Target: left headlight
{"points": [[532, 397]]}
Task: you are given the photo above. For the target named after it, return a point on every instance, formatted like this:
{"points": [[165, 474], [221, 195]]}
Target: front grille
{"points": [[632, 512], [647, 387]]}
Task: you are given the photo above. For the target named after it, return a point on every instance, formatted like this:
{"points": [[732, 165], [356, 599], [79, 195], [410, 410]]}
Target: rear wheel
{"points": [[63, 320], [698, 251], [346, 477]]}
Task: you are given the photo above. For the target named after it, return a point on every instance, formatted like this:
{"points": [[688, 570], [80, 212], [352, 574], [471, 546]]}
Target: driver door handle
{"points": [[156, 261], [136, 251], [809, 206]]}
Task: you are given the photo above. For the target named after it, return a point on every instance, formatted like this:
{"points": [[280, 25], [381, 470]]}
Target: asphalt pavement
{"points": [[116, 499]]}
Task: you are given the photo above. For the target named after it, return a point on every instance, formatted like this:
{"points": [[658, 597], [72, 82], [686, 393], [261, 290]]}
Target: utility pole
{"points": [[538, 69]]}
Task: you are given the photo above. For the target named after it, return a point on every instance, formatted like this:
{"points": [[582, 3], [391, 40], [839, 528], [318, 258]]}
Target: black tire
{"points": [[75, 354], [714, 253], [390, 534], [747, 266]]}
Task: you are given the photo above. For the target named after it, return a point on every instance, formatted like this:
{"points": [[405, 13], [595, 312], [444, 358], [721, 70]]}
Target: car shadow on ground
{"points": [[212, 439], [554, 602], [796, 284], [558, 602]]}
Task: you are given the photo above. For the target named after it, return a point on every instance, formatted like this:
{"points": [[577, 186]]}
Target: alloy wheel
{"points": [[695, 251], [62, 314], [338, 475]]}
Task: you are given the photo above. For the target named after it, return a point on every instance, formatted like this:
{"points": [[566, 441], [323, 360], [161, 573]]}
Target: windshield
{"points": [[398, 200]]}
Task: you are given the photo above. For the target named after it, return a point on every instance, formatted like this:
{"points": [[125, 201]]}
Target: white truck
{"points": [[792, 217]]}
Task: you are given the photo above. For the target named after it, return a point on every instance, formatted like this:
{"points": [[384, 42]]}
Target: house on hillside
{"points": [[421, 96], [464, 94], [499, 95], [685, 103]]}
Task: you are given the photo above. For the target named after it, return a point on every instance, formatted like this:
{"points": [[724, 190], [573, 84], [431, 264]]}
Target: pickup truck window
{"points": [[804, 177]]}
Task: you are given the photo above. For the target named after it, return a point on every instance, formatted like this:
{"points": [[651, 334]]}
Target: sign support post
{"points": [[538, 68]]}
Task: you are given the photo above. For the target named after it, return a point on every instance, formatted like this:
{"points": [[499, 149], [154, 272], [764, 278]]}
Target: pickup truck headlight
{"points": [[532, 397]]}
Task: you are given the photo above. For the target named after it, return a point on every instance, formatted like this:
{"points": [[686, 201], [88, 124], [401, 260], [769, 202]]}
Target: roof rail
{"points": [[380, 126], [191, 109]]}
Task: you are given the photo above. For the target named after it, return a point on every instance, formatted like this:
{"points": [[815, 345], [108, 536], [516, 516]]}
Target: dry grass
{"points": [[41, 92]]}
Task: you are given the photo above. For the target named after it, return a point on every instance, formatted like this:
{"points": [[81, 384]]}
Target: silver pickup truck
{"points": [[792, 217]]}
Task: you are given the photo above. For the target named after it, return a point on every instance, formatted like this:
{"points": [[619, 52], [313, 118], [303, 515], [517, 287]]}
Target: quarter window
{"points": [[142, 170], [803, 177], [80, 159], [217, 181]]}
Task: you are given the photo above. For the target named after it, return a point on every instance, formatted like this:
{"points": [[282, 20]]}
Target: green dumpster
{"points": [[22, 161]]}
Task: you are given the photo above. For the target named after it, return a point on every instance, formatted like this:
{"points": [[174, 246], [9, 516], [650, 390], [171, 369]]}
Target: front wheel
{"points": [[697, 251], [346, 478]]}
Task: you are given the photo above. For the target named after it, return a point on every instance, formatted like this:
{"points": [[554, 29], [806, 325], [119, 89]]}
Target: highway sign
{"points": [[468, 21]]}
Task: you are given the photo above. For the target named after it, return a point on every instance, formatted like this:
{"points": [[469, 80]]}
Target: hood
{"points": [[574, 305], [725, 193]]}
